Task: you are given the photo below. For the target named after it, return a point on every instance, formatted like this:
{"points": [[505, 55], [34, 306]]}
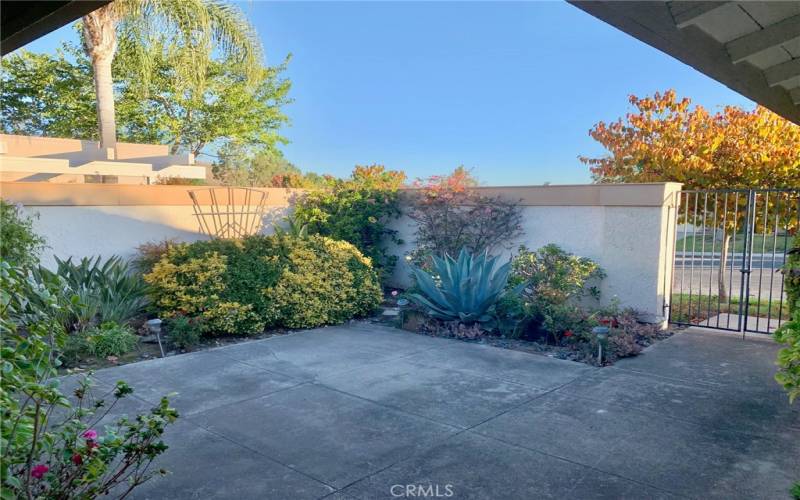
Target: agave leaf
{"points": [[428, 287], [433, 309], [501, 275]]}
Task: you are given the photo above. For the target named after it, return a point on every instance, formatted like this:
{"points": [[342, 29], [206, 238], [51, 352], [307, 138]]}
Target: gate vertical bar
{"points": [[763, 251], [744, 286], [777, 216], [733, 253]]}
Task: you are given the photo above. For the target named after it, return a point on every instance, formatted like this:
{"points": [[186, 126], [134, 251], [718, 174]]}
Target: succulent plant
{"points": [[463, 289]]}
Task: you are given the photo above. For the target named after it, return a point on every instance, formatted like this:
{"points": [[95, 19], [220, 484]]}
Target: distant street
{"points": [[703, 280], [712, 261]]}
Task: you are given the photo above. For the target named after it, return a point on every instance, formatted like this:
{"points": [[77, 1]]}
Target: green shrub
{"points": [[555, 275], [789, 356], [46, 457], [184, 332], [19, 244], [356, 210], [75, 349], [791, 273], [111, 339], [241, 286], [324, 281], [553, 281]]}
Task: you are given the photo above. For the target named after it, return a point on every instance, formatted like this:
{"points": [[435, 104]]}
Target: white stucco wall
{"points": [[627, 229], [627, 242], [82, 231]]}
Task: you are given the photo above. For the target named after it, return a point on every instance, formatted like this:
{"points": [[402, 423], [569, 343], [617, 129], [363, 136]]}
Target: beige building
{"points": [[72, 161]]}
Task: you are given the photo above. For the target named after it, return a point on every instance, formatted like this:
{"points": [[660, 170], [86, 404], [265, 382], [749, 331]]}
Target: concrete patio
{"points": [[364, 411]]}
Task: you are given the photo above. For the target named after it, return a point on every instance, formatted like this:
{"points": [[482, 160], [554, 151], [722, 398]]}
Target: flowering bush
{"points": [[556, 275], [553, 282], [451, 214], [357, 210], [240, 287], [42, 457]]}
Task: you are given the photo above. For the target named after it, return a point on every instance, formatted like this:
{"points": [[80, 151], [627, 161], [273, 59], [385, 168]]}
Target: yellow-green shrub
{"points": [[241, 287], [324, 281], [187, 285], [232, 318]]}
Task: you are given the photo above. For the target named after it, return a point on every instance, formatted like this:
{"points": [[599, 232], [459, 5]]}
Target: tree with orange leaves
{"points": [[666, 139]]}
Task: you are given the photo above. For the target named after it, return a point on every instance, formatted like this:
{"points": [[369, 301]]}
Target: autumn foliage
{"points": [[668, 139], [451, 214]]}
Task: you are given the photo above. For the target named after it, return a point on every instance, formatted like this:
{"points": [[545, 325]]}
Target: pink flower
{"points": [[90, 435], [394, 293], [39, 471], [77, 459], [568, 333]]}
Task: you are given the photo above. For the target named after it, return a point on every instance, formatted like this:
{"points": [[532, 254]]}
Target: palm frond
{"points": [[196, 29]]}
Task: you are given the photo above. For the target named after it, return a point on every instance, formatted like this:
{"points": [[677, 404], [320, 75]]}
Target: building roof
{"points": [[21, 22], [751, 47]]}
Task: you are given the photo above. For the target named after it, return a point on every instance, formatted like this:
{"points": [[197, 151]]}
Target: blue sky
{"points": [[507, 89]]}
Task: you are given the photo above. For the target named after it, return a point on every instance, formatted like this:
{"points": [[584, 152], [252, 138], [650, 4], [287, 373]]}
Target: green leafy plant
{"points": [[555, 275], [795, 491], [293, 227], [184, 332], [96, 289], [465, 289], [44, 457], [357, 210], [789, 356], [554, 282], [324, 281], [19, 244], [791, 273], [239, 287], [111, 339], [74, 349]]}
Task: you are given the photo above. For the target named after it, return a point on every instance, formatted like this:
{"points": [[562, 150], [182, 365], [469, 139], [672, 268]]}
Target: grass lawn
{"points": [[684, 311], [760, 242]]}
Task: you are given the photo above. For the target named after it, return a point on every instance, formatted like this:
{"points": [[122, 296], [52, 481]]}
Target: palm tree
{"points": [[198, 26]]}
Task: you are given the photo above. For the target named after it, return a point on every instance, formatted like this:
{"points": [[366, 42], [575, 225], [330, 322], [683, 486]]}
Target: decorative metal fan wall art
{"points": [[229, 212]]}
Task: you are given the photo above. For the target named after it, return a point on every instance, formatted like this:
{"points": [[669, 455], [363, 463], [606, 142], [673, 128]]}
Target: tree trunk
{"points": [[723, 261], [106, 115], [100, 44]]}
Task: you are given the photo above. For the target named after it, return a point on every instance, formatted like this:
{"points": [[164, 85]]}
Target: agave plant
{"points": [[463, 289]]}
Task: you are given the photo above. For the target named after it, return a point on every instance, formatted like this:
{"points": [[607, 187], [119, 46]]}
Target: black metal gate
{"points": [[729, 248]]}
